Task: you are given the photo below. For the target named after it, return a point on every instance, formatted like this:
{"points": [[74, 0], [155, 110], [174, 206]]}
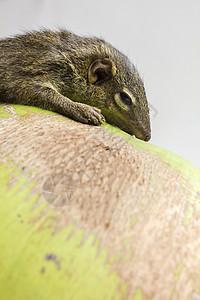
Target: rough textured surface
{"points": [[142, 209]]}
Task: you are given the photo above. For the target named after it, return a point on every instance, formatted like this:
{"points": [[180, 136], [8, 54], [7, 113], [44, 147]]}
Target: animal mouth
{"points": [[137, 130], [143, 136]]}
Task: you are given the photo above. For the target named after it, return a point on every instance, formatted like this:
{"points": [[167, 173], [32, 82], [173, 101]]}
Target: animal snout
{"points": [[147, 137]]}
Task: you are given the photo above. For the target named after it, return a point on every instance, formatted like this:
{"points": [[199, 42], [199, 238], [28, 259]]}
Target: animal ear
{"points": [[101, 70]]}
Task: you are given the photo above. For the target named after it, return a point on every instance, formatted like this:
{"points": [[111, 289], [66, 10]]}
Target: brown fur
{"points": [[76, 76]]}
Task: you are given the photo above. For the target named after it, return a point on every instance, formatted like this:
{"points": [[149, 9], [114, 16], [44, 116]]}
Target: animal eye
{"points": [[126, 99]]}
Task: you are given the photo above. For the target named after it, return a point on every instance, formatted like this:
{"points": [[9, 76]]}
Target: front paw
{"points": [[89, 114]]}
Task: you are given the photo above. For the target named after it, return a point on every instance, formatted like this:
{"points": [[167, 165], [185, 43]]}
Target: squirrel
{"points": [[84, 78]]}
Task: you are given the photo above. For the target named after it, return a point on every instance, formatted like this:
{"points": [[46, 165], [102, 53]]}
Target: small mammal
{"points": [[85, 79]]}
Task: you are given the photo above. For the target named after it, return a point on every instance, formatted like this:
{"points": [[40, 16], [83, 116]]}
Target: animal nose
{"points": [[147, 137]]}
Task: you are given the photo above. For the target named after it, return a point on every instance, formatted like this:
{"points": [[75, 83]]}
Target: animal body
{"points": [[83, 78]]}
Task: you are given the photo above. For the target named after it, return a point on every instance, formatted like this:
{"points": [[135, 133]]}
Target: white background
{"points": [[162, 38]]}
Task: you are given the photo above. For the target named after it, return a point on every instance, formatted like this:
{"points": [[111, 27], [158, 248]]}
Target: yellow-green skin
{"points": [[37, 264], [25, 271]]}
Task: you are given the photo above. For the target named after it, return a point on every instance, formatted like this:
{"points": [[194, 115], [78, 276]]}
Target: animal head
{"points": [[125, 103], [114, 86]]}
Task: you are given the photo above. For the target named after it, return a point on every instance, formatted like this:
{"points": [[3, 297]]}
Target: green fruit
{"points": [[89, 212]]}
